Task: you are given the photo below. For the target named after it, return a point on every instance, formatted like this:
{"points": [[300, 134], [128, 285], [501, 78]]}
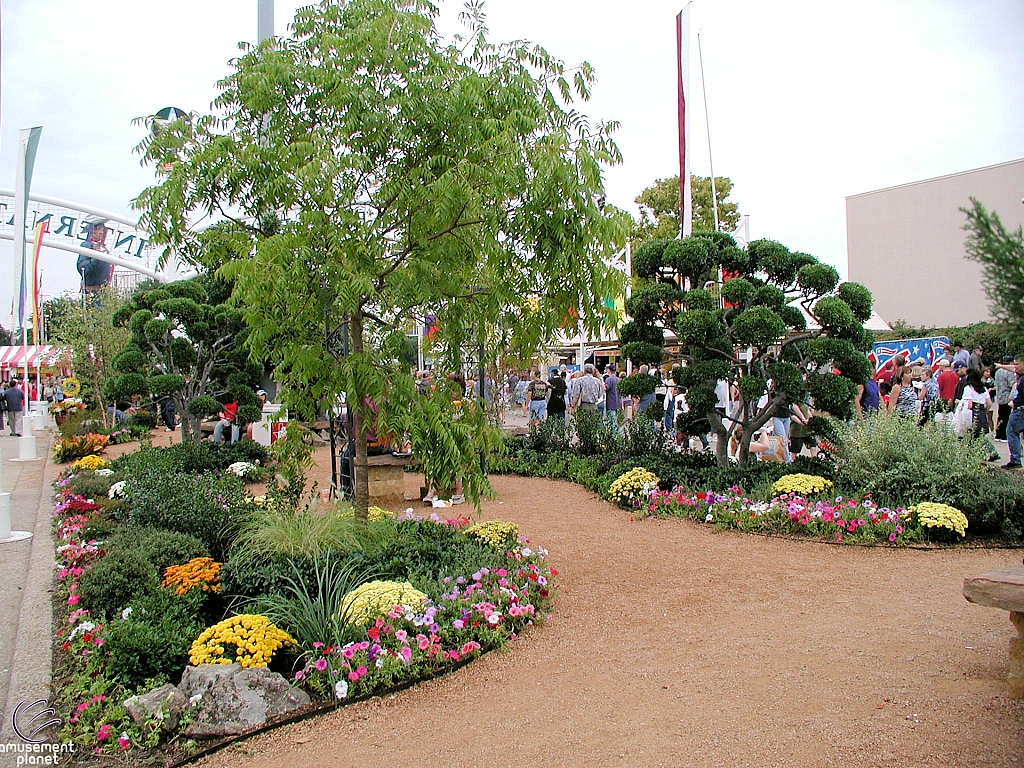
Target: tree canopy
{"points": [[1001, 255], [188, 344], [752, 330], [659, 208], [376, 173]]}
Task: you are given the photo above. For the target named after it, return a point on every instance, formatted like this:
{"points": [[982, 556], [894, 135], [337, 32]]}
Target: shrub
{"points": [[209, 507], [161, 548], [594, 435], [81, 423], [902, 464], [113, 582], [994, 504], [77, 446], [153, 640], [549, 435], [641, 437], [144, 419], [90, 485]]}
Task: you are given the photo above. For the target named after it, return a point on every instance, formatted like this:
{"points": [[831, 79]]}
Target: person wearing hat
{"points": [[947, 381], [1005, 379], [960, 356]]}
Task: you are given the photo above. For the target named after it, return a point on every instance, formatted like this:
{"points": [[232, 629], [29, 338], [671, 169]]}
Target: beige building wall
{"points": [[906, 244]]}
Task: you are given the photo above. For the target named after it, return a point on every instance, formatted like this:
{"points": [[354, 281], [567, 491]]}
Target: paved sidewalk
{"points": [[26, 579]]}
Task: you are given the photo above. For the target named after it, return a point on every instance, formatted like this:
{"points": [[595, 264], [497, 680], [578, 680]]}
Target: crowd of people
{"points": [[986, 402], [958, 390]]}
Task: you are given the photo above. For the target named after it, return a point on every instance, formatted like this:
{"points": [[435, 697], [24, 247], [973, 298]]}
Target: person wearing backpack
{"points": [[537, 398]]}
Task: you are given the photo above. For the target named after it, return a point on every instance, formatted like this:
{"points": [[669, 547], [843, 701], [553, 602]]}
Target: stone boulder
{"points": [[232, 700], [163, 704]]}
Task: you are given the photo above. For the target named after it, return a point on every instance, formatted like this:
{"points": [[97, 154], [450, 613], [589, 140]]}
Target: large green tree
{"points": [[402, 175], [752, 330], [659, 208], [1001, 254]]}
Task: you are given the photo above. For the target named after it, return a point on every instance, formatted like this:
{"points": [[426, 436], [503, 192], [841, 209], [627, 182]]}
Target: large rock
{"points": [[163, 704], [233, 700]]}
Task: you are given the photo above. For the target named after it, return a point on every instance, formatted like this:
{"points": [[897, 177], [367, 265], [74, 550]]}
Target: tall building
{"points": [[906, 244]]}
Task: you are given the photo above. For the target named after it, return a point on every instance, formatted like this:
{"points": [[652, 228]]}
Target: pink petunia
{"points": [[104, 732], [321, 665], [406, 654]]}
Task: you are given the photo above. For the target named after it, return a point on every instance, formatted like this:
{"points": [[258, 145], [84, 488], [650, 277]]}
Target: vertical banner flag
{"points": [[28, 143], [41, 228], [683, 81]]}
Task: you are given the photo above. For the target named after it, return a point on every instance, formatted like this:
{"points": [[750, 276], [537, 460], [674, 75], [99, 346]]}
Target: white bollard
{"points": [[40, 417], [5, 516], [27, 448], [7, 536]]}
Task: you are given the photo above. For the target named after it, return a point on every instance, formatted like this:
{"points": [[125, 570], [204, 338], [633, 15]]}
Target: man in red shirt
{"points": [[947, 381]]}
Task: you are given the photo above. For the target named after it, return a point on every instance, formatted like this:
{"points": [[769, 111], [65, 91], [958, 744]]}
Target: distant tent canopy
{"points": [[37, 356]]}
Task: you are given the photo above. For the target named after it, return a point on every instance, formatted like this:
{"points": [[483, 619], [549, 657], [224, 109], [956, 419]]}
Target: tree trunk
{"points": [[357, 405]]}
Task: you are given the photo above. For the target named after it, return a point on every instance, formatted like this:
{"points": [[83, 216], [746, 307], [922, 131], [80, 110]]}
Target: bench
{"points": [[385, 478], [1004, 588]]}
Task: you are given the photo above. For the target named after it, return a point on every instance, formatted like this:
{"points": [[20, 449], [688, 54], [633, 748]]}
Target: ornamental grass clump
{"points": [[803, 485], [247, 639], [368, 602], [940, 519], [494, 533], [633, 487], [199, 572]]}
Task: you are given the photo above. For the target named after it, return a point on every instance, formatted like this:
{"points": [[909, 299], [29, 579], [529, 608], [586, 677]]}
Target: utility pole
{"points": [[265, 23]]}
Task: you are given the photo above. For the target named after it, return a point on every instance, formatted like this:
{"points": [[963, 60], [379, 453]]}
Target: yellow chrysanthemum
{"points": [[636, 484], [933, 515], [805, 485], [368, 602], [88, 463], [224, 643], [202, 572], [495, 533]]}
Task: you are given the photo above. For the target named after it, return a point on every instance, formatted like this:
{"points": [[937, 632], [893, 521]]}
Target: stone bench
{"points": [[385, 478], [1004, 588]]}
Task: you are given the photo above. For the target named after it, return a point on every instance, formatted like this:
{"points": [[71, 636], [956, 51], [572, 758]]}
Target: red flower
{"points": [[554, 572], [544, 593], [373, 633]]}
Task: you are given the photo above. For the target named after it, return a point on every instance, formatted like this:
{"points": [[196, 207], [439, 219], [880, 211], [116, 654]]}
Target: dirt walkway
{"points": [[673, 645]]}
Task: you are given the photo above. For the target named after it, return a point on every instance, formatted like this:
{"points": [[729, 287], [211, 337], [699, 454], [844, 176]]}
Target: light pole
{"points": [[265, 23]]}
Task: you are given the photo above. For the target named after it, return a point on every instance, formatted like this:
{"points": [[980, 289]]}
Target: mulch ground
{"points": [[672, 644]]}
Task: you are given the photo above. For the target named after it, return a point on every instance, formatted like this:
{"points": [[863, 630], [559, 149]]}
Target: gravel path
{"points": [[673, 645]]}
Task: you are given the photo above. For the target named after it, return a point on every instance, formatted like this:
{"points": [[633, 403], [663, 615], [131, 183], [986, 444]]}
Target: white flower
{"points": [[126, 612], [526, 551], [195, 699], [341, 689], [708, 517], [241, 468], [379, 663], [117, 490], [103, 472], [81, 629]]}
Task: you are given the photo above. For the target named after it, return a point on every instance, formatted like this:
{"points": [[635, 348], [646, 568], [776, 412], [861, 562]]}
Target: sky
{"points": [[808, 101]]}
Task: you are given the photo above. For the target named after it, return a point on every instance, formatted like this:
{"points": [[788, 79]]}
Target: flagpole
{"points": [[683, 86]]}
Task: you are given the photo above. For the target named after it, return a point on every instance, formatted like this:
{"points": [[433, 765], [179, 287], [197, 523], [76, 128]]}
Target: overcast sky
{"points": [[809, 101]]}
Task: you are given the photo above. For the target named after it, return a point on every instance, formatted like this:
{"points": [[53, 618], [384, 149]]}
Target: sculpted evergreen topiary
{"points": [[749, 328]]}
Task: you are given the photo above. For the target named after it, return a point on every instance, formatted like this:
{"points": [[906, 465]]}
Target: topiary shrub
{"points": [[161, 548], [151, 643], [113, 582], [209, 507]]}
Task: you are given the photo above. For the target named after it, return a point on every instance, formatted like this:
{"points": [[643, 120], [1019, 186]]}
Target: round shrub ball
{"points": [[112, 583]]}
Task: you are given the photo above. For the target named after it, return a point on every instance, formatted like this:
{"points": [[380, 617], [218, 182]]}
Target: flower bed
{"points": [[140, 602], [835, 519]]}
